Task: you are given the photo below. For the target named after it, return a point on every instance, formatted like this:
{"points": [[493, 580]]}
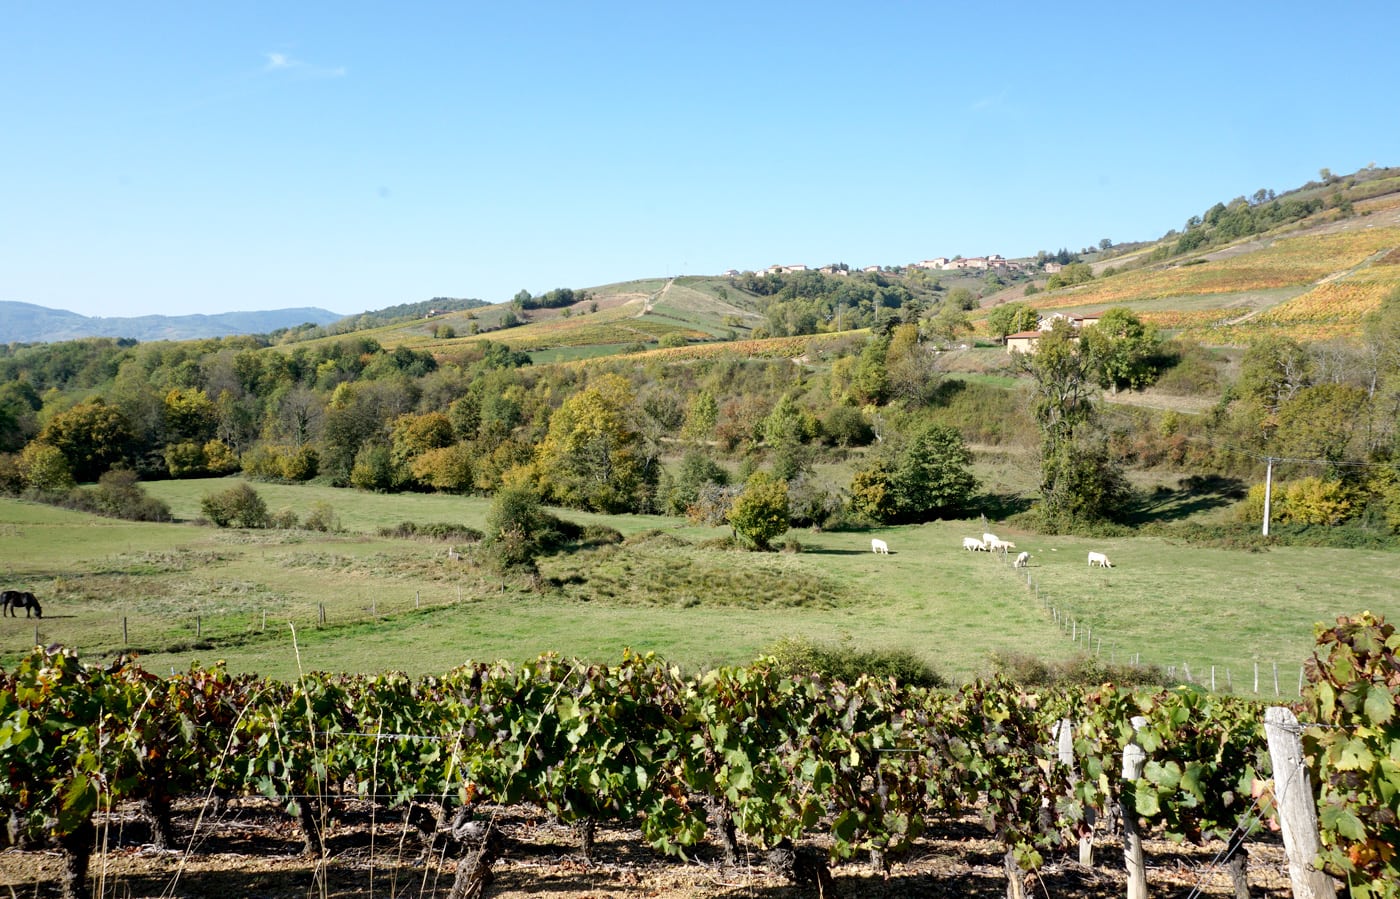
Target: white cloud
{"points": [[282, 62]]}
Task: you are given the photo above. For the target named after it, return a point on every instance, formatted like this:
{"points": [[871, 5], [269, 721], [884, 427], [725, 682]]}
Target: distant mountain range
{"points": [[28, 323]]}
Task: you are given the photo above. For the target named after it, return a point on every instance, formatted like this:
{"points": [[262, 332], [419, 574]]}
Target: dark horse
{"points": [[19, 599]]}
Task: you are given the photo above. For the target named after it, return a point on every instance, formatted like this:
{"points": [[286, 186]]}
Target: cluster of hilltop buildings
{"points": [[941, 264]]}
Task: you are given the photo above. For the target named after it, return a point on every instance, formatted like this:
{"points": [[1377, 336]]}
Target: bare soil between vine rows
{"points": [[253, 850]]}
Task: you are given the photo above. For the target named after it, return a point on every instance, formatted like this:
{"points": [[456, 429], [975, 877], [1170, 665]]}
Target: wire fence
{"points": [[1262, 679]]}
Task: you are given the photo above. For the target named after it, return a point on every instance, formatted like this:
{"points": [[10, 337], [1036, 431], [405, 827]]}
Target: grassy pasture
{"points": [[1172, 604]]}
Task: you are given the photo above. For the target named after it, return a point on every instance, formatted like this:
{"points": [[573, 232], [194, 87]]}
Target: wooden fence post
{"points": [[1064, 743], [1297, 809], [124, 640], [1134, 758]]}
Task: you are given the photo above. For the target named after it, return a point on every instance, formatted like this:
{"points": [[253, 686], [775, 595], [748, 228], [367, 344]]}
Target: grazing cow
{"points": [[879, 546], [1000, 545], [972, 544], [1022, 560], [989, 539], [19, 599], [1100, 560]]}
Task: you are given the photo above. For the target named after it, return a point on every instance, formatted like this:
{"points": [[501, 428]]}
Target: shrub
{"points": [[760, 513], [456, 533], [282, 520], [299, 463], [238, 506], [601, 535], [118, 495], [800, 656], [322, 517], [656, 537], [186, 460], [1317, 501], [1081, 670], [673, 340], [11, 475], [45, 468], [219, 458]]}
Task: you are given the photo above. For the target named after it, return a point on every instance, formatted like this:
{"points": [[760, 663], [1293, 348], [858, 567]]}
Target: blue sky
{"points": [[177, 158]]}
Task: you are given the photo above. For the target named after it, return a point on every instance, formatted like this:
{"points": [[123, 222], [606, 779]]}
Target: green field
{"points": [[191, 592]]}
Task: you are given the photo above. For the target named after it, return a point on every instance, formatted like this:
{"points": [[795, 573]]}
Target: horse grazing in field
{"points": [[19, 599]]}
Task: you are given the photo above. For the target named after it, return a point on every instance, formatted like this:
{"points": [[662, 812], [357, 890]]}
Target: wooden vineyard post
{"points": [[1297, 809], [1134, 758], [1064, 744]]}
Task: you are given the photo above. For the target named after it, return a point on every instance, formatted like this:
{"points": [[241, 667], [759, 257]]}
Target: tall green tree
{"points": [[92, 436], [1080, 482], [1124, 350], [925, 476], [1273, 370], [592, 457], [1010, 318]]}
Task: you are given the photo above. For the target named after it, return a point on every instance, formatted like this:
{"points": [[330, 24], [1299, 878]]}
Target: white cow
{"points": [[1022, 560], [973, 544], [989, 539], [879, 546], [1000, 545], [1100, 560]]}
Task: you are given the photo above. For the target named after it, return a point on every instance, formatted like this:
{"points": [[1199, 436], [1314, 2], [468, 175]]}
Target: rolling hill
{"points": [[1312, 277], [28, 323]]}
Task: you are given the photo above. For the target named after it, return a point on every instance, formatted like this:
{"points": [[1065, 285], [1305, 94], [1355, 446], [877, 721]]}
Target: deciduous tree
{"points": [[1010, 318], [1123, 349], [760, 513]]}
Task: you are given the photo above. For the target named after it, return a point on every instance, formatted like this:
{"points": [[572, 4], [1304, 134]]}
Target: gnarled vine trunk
{"points": [[803, 865], [77, 851], [482, 844], [722, 819], [156, 810]]}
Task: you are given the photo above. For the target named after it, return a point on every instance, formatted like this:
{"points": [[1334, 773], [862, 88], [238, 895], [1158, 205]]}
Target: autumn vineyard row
{"points": [[779, 759]]}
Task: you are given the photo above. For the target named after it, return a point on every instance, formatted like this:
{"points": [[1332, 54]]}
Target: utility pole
{"points": [[1268, 491]]}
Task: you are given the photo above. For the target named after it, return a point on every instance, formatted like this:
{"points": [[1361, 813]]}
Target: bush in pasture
{"points": [[282, 520], [1081, 670], [656, 537], [438, 530], [760, 513], [800, 656], [239, 506], [673, 340], [118, 494], [322, 517], [601, 535], [518, 531]]}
